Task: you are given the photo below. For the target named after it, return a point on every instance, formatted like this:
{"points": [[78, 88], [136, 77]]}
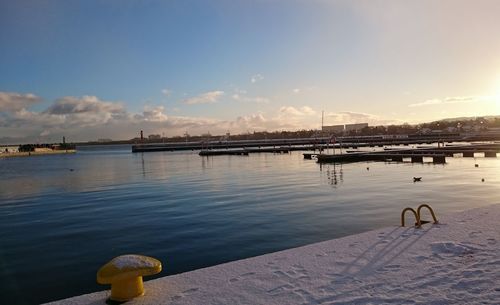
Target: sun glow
{"points": [[496, 96]]}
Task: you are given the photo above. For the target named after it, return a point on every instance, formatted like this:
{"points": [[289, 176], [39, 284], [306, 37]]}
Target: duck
{"points": [[477, 165], [416, 179]]}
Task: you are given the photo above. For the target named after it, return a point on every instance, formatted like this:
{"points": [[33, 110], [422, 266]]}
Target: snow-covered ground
{"points": [[454, 262]]}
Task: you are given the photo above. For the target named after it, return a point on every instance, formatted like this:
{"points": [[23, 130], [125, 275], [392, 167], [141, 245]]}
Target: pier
{"points": [[245, 151], [353, 142]]}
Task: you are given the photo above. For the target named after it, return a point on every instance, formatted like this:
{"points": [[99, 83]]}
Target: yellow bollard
{"points": [[417, 218], [125, 273]]}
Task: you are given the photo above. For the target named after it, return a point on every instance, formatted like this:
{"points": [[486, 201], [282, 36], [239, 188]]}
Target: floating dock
{"points": [[416, 155]]}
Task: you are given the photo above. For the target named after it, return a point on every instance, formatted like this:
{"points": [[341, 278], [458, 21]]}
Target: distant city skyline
{"points": [[107, 69]]}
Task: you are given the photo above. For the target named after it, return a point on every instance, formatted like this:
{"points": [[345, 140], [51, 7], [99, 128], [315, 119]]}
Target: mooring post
{"points": [[439, 159], [490, 154], [419, 159], [468, 154]]}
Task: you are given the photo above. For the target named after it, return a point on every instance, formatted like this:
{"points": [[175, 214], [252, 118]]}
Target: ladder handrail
{"points": [[430, 210], [417, 217]]}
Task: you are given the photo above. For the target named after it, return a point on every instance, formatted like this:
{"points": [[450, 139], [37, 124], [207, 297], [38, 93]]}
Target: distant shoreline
{"points": [[36, 153]]}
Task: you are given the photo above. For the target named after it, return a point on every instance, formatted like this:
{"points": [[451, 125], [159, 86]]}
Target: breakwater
{"points": [[36, 153]]}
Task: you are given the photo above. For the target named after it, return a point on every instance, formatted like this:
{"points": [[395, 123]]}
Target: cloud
{"points": [[304, 89], [452, 100], [427, 103], [256, 78], [247, 99], [89, 118], [258, 122], [166, 92], [205, 98], [302, 111], [65, 115], [84, 105], [11, 101], [81, 111], [347, 117], [152, 114]]}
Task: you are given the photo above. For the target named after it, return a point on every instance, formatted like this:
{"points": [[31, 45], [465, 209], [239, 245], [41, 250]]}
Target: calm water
{"points": [[57, 227]]}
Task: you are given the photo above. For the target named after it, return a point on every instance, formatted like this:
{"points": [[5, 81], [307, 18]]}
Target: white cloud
{"points": [[304, 89], [11, 101], [258, 122], [256, 78], [302, 111], [89, 118], [247, 99], [453, 100], [347, 117], [166, 92], [152, 114], [86, 104], [427, 103], [81, 111], [205, 98]]}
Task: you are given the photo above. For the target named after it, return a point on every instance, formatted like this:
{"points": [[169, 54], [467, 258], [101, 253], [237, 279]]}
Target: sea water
{"points": [[64, 216]]}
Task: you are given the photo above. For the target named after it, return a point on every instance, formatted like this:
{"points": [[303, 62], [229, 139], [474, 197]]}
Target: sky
{"points": [[108, 69]]}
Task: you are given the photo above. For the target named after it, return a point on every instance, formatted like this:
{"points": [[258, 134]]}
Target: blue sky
{"points": [[197, 66]]}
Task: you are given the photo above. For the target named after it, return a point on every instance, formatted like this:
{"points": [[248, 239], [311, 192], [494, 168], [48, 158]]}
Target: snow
{"points": [[132, 261], [454, 262]]}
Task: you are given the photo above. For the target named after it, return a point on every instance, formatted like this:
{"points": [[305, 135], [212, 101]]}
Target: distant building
{"points": [[104, 140], [425, 130], [154, 137], [333, 129], [344, 128], [355, 127]]}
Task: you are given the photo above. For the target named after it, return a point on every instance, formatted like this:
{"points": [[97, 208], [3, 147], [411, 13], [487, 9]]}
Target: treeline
{"points": [[459, 125]]}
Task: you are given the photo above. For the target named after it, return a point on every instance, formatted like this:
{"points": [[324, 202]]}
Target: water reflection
{"points": [[143, 167], [207, 162], [334, 173]]}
